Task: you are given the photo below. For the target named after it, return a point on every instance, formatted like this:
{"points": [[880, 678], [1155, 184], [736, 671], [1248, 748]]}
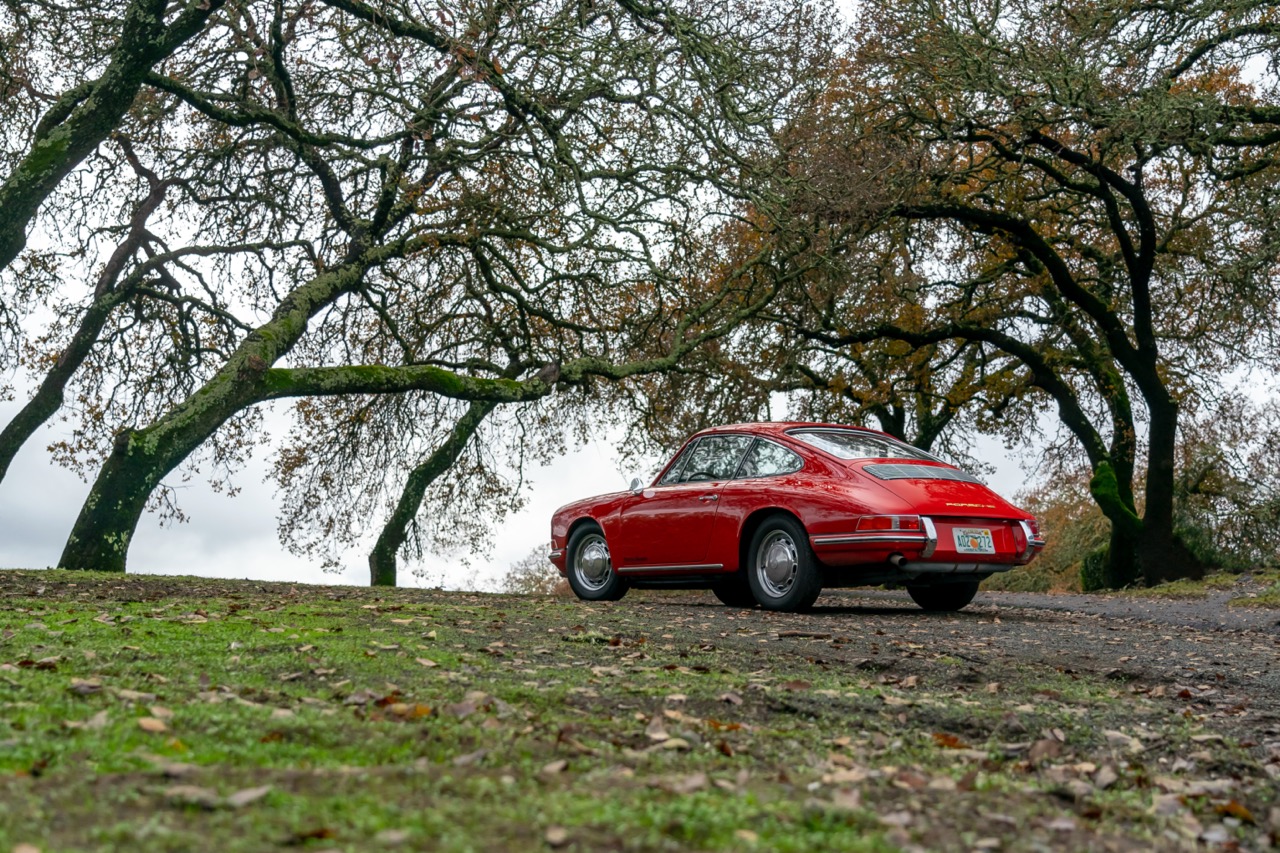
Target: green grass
{"points": [[321, 694], [1259, 588]]}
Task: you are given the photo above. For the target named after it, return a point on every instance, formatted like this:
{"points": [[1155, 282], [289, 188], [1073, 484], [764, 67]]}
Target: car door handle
{"points": [[709, 498]]}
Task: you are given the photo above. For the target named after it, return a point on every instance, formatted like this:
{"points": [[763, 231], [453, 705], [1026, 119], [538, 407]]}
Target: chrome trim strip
{"points": [[851, 538], [930, 537], [558, 552], [705, 567]]}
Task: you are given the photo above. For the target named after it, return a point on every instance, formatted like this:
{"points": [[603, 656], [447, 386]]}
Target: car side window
{"points": [[767, 459], [673, 473], [715, 457]]}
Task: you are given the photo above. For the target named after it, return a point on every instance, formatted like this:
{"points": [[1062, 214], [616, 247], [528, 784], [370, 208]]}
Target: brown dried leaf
{"points": [[1233, 808], [1043, 749], [85, 686]]}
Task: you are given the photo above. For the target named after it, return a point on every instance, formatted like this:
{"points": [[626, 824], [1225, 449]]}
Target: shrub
{"points": [[534, 574]]}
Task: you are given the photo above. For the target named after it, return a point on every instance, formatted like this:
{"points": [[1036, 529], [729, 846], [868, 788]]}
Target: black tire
{"points": [[734, 591], [944, 597], [591, 574], [781, 568]]}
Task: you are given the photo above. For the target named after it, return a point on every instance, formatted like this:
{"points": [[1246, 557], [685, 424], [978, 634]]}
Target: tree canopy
{"points": [[454, 231]]}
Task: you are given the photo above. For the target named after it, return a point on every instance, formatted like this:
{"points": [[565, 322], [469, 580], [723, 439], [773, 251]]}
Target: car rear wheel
{"points": [[944, 597], [781, 569], [591, 574], [734, 591]]}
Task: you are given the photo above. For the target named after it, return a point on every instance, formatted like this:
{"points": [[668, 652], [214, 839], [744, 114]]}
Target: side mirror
{"points": [[636, 486]]}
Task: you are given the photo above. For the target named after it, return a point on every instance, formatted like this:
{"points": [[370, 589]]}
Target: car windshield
{"points": [[849, 444]]}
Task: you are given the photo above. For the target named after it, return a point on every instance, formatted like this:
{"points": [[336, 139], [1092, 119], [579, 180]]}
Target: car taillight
{"points": [[1035, 528], [888, 522], [1020, 538]]}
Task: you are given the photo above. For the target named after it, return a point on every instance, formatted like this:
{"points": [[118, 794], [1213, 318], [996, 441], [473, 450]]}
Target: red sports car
{"points": [[771, 513]]}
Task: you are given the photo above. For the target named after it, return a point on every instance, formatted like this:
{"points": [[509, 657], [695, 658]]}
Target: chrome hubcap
{"points": [[592, 564], [776, 563]]}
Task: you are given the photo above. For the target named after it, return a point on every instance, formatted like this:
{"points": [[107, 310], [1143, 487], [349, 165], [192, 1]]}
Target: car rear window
{"points": [[848, 444]]}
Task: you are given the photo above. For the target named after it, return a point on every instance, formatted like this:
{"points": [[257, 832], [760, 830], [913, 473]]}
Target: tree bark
{"points": [[382, 560], [1161, 554]]}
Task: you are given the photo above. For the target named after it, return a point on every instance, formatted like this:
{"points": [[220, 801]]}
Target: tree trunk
{"points": [[382, 560], [142, 458], [99, 541], [1161, 554], [1115, 498]]}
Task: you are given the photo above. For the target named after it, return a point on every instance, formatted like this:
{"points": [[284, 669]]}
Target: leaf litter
{"points": [[911, 730]]}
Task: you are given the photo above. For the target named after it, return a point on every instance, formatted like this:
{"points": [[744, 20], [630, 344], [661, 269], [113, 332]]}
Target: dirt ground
{"points": [[664, 721]]}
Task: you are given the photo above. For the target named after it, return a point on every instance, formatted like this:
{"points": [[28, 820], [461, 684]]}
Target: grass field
{"points": [[144, 713]]}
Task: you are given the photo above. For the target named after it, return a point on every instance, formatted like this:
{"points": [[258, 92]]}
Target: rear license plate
{"points": [[973, 540]]}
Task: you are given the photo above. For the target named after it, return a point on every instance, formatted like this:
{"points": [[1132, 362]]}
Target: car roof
{"points": [[781, 427]]}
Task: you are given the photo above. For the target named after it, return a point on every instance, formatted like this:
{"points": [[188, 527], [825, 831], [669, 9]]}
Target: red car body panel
{"points": [[697, 528]]}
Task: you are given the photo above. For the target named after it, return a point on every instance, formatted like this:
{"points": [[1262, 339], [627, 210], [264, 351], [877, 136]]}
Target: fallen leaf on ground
{"points": [[97, 721], [847, 798], [151, 724], [556, 836], [461, 710], [85, 686], [192, 795], [133, 695], [1044, 748], [470, 758], [656, 730], [320, 833], [392, 836], [681, 784], [247, 797], [948, 741], [1233, 808]]}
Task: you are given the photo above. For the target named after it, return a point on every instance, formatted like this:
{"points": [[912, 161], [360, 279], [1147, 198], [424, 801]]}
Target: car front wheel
{"points": [[944, 597], [781, 568], [591, 574]]}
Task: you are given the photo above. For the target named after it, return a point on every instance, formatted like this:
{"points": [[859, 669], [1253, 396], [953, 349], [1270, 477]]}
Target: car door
{"points": [[669, 523], [766, 465]]}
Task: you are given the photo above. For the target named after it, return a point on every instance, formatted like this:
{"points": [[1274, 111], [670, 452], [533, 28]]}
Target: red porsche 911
{"points": [[771, 513]]}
